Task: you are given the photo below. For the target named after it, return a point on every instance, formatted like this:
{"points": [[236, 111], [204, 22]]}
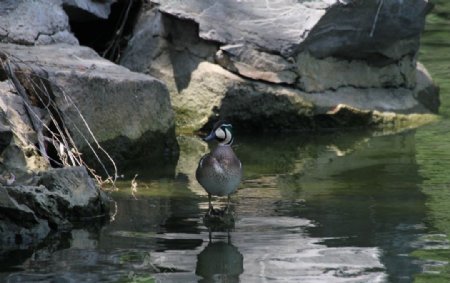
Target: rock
{"points": [[74, 193], [19, 226], [147, 42], [256, 65], [57, 199], [331, 73], [280, 108], [20, 152], [155, 33], [215, 92], [426, 89], [202, 97], [323, 27], [276, 27], [5, 132], [376, 31], [273, 67], [129, 113], [100, 9], [34, 22]]}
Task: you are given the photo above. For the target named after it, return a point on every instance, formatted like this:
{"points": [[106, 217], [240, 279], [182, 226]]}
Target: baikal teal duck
{"points": [[220, 171]]}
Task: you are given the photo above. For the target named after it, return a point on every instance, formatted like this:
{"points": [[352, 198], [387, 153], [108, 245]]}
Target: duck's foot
{"points": [[227, 210], [218, 219], [212, 212]]}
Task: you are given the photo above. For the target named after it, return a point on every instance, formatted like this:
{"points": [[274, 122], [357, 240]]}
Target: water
{"points": [[330, 207]]}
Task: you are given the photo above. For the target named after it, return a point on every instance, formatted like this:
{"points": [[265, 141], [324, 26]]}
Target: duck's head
{"points": [[222, 132]]}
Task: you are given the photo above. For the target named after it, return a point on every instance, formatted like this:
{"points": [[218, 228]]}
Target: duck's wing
{"points": [[203, 161]]}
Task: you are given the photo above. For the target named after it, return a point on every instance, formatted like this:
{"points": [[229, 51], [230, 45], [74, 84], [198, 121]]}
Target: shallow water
{"points": [[329, 207]]}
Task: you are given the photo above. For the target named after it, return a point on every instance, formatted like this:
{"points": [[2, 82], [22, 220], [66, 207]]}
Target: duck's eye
{"points": [[220, 133]]}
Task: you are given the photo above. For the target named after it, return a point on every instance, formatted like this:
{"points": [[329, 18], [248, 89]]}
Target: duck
{"points": [[220, 171]]}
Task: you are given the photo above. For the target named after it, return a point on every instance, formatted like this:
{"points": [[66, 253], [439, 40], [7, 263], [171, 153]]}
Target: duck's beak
{"points": [[210, 137]]}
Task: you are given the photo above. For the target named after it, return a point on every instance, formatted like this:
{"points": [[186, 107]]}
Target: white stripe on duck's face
{"points": [[220, 133], [223, 134]]}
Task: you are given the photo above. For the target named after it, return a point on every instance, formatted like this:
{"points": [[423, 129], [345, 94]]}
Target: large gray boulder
{"points": [[128, 113], [272, 65], [354, 29]]}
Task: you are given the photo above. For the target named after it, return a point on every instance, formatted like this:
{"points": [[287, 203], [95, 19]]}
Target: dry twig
{"points": [[59, 137]]}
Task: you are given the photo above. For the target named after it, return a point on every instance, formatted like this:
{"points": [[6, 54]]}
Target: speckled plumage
{"points": [[220, 171]]}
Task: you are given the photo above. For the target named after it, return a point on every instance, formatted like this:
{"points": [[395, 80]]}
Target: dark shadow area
{"points": [[153, 155], [257, 112], [183, 38], [106, 36]]}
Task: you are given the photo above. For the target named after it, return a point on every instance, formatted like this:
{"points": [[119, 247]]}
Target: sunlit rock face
{"points": [[284, 64]]}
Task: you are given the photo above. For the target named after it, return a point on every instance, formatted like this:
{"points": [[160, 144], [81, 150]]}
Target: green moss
{"points": [[406, 121], [186, 120], [431, 278], [433, 254]]}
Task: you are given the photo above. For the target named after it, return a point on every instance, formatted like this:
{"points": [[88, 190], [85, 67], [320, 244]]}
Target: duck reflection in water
{"points": [[220, 261]]}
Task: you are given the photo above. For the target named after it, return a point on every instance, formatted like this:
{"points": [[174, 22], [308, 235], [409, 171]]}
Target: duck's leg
{"points": [[210, 207], [227, 209]]}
